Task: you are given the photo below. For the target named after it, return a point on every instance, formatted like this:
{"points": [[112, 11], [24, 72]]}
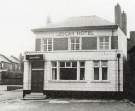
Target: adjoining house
{"points": [[10, 72], [131, 67], [16, 66], [81, 55]]}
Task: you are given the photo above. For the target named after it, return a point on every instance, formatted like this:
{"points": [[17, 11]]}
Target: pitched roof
{"points": [[79, 21], [14, 59], [4, 59]]}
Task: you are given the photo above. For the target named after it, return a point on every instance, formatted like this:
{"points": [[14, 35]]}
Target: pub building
{"points": [[80, 56]]}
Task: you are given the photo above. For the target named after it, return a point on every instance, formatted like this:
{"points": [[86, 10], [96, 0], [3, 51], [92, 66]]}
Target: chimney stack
{"points": [[124, 22], [121, 18]]}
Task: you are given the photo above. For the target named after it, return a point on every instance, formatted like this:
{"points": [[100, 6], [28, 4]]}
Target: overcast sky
{"points": [[18, 17]]}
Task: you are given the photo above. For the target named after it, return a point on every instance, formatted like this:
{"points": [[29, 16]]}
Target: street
{"points": [[15, 102]]}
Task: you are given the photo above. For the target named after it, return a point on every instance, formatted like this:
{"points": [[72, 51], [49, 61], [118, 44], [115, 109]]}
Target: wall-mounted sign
{"points": [[34, 57], [69, 33]]}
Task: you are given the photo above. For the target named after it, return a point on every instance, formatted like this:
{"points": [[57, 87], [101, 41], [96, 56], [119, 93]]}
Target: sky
{"points": [[18, 17]]}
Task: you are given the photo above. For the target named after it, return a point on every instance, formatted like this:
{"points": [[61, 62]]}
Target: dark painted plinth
{"points": [[26, 92], [84, 94]]}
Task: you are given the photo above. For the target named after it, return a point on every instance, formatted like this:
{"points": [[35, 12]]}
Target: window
{"points": [[104, 70], [100, 70], [75, 43], [68, 70], [82, 70], [54, 70], [60, 43], [96, 70], [104, 43], [89, 43], [114, 42], [38, 44], [47, 44]]}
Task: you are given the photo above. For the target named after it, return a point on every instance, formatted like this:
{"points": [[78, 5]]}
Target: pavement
{"points": [[13, 101], [10, 95]]}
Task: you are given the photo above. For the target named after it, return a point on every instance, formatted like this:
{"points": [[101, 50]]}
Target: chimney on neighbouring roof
{"points": [[124, 22]]}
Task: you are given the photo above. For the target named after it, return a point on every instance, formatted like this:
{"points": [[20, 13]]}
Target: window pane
{"points": [[49, 41], [104, 63], [68, 73], [72, 47], [77, 40], [96, 73], [60, 44], [77, 46], [44, 41], [96, 63], [104, 73], [101, 39], [114, 42], [62, 64], [82, 64], [49, 47], [45, 47], [74, 64], [104, 43], [54, 74], [106, 39], [54, 64], [82, 72], [106, 47], [72, 40], [38, 45], [68, 64], [89, 43]]}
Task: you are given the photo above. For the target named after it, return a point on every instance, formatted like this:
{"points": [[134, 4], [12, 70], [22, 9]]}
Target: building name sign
{"points": [[34, 57], [69, 33]]}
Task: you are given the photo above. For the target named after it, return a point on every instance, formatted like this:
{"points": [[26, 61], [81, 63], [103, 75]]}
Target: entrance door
{"points": [[37, 76]]}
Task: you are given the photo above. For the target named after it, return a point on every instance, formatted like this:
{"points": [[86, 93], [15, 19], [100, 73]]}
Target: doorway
{"points": [[37, 76]]}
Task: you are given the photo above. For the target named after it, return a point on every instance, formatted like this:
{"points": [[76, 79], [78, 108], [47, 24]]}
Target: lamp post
{"points": [[118, 56]]}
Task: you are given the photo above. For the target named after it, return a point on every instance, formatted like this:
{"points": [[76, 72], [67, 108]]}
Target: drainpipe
{"points": [[118, 56]]}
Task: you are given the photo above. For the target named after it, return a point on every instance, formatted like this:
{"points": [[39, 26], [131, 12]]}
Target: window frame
{"points": [[100, 70], [47, 44], [104, 43], [78, 68], [75, 43]]}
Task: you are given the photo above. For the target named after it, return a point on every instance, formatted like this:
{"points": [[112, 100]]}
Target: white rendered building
{"points": [[80, 54]]}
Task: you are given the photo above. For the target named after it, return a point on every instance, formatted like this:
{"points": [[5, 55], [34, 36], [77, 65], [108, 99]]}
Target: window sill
{"points": [[100, 81], [67, 81]]}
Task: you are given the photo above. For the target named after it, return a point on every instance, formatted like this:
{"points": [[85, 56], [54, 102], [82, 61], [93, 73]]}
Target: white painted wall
{"points": [[88, 56], [89, 84]]}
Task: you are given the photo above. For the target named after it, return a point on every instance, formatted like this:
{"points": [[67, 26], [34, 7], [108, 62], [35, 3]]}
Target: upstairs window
{"points": [[47, 44], [38, 44], [89, 43], [60, 43], [75, 43], [104, 43]]}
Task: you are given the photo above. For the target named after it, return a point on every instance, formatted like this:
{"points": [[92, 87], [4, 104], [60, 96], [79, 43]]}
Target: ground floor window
{"points": [[82, 70], [100, 70], [68, 70]]}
